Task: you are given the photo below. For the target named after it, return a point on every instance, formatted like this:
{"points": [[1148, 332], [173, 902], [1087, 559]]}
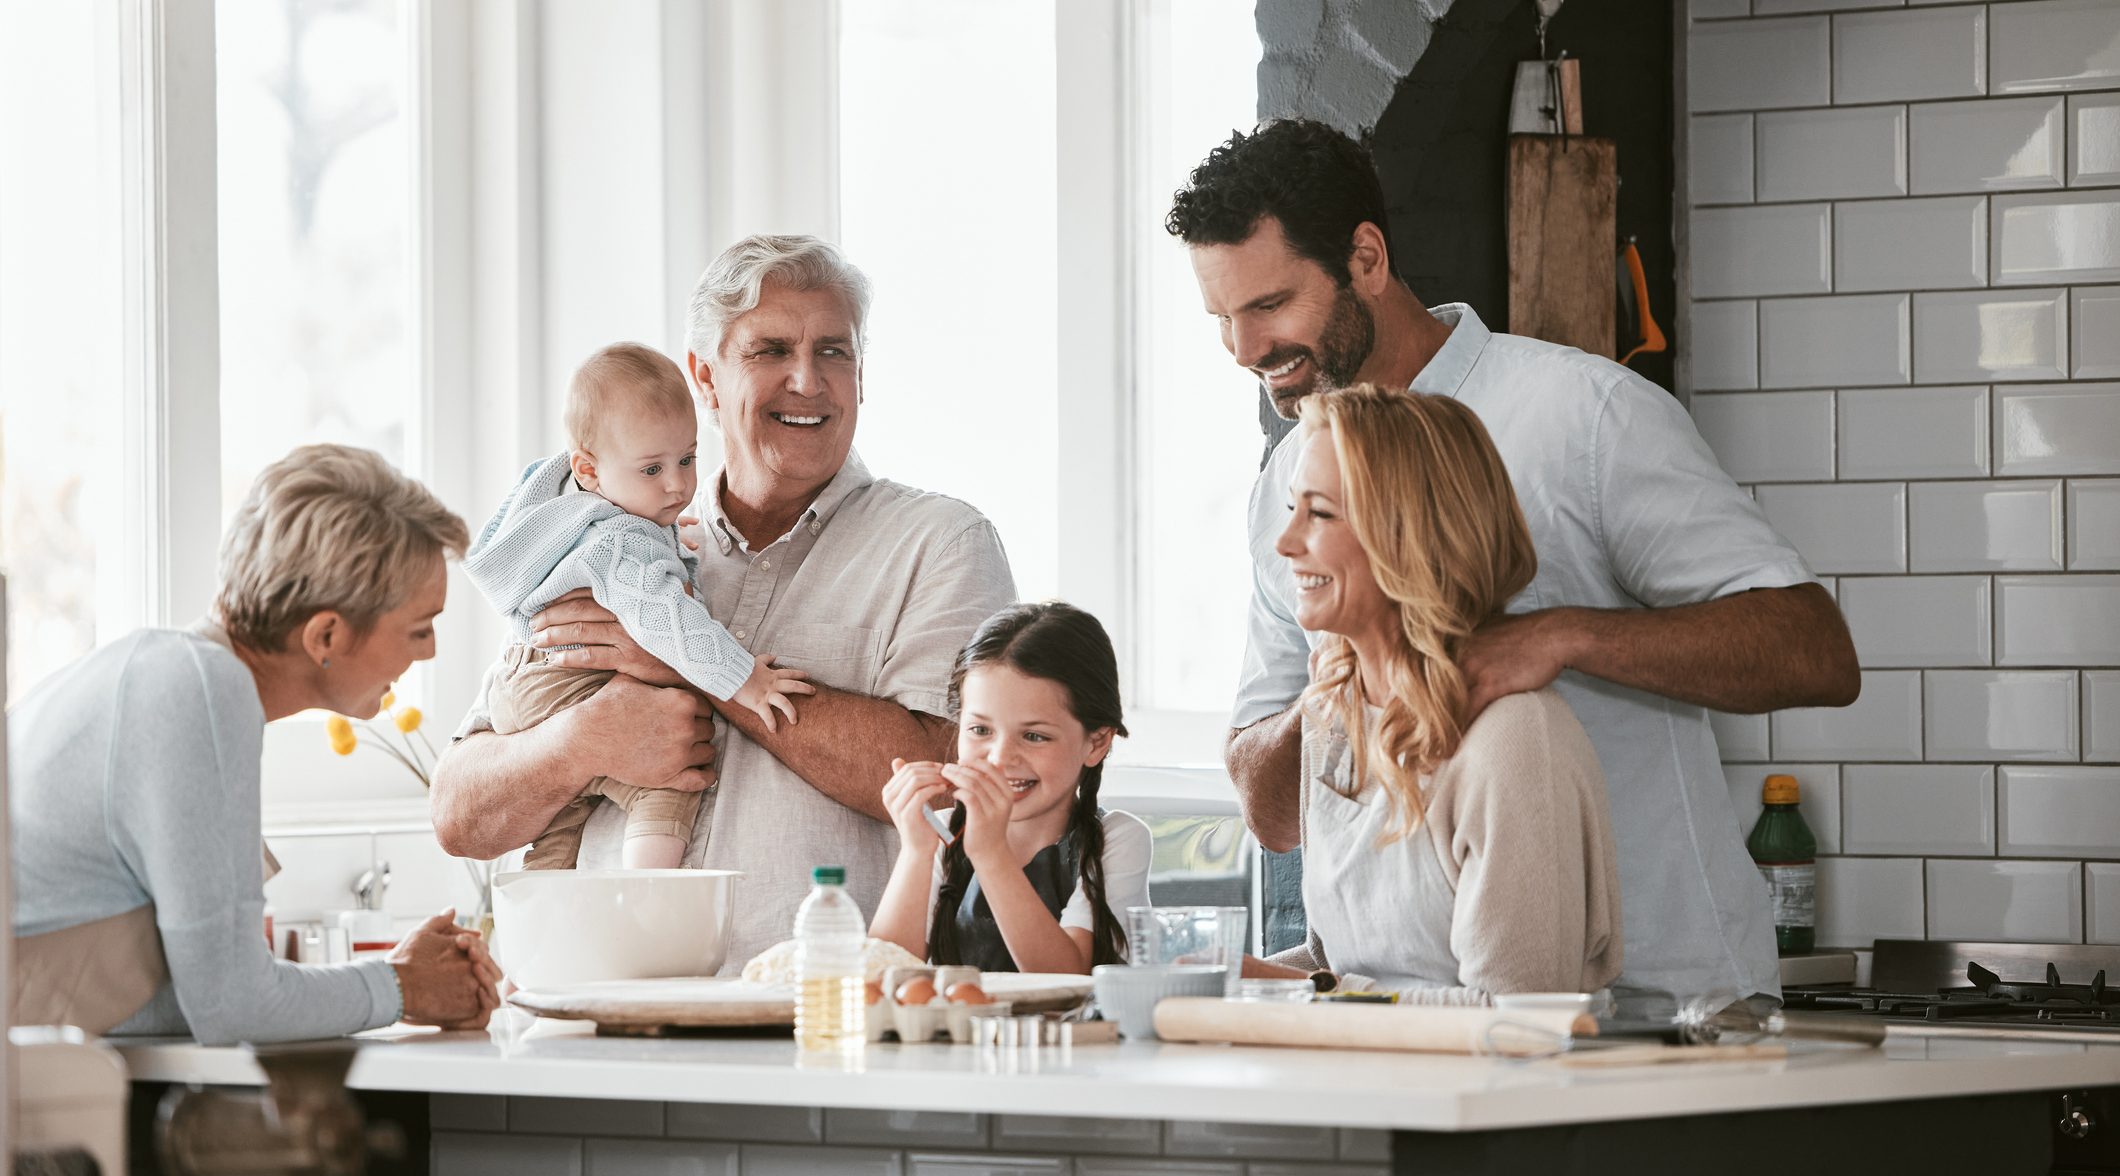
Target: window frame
{"points": [[168, 136]]}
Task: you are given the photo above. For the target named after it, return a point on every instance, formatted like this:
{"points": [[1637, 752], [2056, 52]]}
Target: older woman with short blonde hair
{"points": [[135, 777], [1446, 856]]}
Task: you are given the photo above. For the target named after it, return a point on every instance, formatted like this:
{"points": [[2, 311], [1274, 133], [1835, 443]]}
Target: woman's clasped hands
{"points": [[445, 975]]}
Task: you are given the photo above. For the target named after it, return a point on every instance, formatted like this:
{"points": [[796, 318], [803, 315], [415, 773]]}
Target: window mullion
{"points": [[1095, 140], [172, 337]]}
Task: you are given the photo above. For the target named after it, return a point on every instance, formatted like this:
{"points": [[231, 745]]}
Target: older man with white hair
{"points": [[869, 585]]}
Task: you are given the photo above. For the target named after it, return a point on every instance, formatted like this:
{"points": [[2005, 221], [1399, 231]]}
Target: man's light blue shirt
{"points": [[1628, 509]]}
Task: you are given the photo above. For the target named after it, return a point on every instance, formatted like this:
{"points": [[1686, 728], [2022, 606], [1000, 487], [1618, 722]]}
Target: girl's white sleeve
{"points": [[1128, 848]]}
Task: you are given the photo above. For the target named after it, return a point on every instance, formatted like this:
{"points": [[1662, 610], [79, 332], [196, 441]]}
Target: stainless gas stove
{"points": [[2059, 992], [2066, 991]]}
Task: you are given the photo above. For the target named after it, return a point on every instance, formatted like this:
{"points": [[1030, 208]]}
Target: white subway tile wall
{"points": [[1760, 64], [1989, 334], [1862, 899], [1965, 340], [2008, 145], [2047, 237], [2057, 45], [1917, 809], [2101, 902], [1727, 338], [1935, 243], [2057, 812], [2094, 131], [1832, 154], [1848, 527], [1769, 436], [1766, 249], [1884, 724], [2095, 314], [2001, 902], [2017, 715], [1721, 150], [2010, 526], [2057, 429], [1898, 56], [1919, 620], [1910, 432], [2101, 716]]}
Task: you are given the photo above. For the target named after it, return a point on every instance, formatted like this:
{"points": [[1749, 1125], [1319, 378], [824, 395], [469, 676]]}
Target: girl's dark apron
{"points": [[1054, 874]]}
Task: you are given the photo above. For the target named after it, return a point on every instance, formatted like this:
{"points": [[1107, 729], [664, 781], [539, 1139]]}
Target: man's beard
{"points": [[1344, 345]]}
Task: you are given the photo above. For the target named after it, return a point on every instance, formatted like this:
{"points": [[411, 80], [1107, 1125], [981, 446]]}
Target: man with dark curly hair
{"points": [[1662, 591]]}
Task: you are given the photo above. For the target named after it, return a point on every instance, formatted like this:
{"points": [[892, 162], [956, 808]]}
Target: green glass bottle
{"points": [[1787, 855]]}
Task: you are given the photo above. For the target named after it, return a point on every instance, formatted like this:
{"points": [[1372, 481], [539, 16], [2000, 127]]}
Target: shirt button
{"points": [[815, 526], [739, 634], [765, 565]]}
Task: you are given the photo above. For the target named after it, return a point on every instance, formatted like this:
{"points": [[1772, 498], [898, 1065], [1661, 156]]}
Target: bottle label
{"points": [[1793, 892]]}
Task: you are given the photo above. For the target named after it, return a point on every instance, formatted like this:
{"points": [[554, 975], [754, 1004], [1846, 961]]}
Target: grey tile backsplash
{"points": [[1905, 267]]}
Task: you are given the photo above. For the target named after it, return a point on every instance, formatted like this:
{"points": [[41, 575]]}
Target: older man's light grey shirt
{"points": [[873, 591], [1627, 509]]}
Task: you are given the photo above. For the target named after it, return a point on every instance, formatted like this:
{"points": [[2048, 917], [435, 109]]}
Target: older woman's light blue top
{"points": [[133, 780]]}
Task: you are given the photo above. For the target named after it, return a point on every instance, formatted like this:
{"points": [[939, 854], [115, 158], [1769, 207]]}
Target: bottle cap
{"points": [[829, 875], [1779, 790]]}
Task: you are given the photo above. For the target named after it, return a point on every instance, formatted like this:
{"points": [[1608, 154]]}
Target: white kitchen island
{"points": [[561, 1099]]}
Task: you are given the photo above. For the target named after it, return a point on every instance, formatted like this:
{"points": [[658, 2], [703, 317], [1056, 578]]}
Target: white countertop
{"points": [[1148, 1080]]}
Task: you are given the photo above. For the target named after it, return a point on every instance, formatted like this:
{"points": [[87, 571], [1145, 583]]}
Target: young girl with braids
{"points": [[1037, 874]]}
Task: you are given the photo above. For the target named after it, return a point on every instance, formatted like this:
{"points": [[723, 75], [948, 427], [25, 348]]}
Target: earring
{"points": [[327, 663]]}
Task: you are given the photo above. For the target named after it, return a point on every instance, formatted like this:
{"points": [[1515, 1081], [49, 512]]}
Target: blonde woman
{"points": [[139, 873], [1446, 861]]}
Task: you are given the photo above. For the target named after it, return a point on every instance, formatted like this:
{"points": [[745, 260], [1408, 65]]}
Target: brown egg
{"points": [[917, 991], [967, 993], [872, 991]]}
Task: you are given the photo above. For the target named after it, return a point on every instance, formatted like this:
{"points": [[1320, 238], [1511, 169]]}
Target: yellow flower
{"points": [[340, 732], [389, 697], [407, 720]]}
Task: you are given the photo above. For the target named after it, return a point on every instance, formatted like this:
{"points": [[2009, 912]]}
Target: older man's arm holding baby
{"points": [[869, 585]]}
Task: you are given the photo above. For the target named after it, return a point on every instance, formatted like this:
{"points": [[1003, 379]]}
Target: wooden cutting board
{"points": [[698, 1002], [1563, 240]]}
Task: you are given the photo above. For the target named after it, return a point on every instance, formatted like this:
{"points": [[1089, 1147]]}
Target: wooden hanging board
{"points": [[1563, 233]]}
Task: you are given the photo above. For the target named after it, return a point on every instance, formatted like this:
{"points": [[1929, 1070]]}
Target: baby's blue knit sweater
{"points": [[546, 541]]}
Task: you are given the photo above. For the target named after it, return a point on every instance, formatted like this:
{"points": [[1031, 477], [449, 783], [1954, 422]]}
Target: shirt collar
{"points": [[1448, 369], [853, 475]]}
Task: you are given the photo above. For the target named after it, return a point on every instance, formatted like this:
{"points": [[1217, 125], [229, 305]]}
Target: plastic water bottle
{"points": [[829, 941]]}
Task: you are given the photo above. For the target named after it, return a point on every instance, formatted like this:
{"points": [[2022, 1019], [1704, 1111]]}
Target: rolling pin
{"points": [[1357, 1026]]}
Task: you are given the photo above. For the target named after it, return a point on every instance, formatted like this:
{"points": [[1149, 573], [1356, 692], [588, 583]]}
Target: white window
{"points": [[1038, 345], [1198, 434], [62, 449], [315, 202], [212, 217], [948, 203]]}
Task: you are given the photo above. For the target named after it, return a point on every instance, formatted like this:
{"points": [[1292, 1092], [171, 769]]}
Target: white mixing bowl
{"points": [[567, 926]]}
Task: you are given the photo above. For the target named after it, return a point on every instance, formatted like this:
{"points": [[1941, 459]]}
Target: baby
{"points": [[603, 516]]}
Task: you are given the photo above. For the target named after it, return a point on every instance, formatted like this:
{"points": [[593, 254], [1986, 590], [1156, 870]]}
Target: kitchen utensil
{"points": [[1721, 1018], [1130, 993], [1357, 1026], [1563, 203], [1213, 935], [572, 926]]}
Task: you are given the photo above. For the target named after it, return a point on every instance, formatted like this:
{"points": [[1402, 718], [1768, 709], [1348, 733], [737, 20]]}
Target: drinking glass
{"points": [[1189, 935]]}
